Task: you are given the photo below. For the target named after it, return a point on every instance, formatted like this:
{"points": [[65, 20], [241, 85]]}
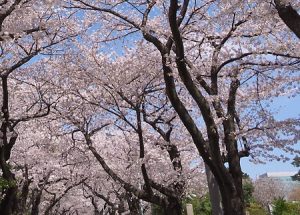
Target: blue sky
{"points": [[287, 108]]}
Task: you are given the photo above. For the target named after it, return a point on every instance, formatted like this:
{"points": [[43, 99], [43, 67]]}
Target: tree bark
{"points": [[133, 204], [232, 203], [36, 201], [24, 195], [9, 203], [173, 207], [214, 193], [289, 16]]}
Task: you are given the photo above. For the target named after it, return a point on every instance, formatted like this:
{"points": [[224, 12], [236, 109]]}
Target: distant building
{"points": [[284, 178], [277, 174]]}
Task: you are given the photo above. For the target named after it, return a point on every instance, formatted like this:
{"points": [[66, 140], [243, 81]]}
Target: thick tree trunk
{"points": [[232, 198], [173, 207], [133, 204], [214, 193], [23, 197], [134, 211], [232, 204], [37, 195], [9, 203]]}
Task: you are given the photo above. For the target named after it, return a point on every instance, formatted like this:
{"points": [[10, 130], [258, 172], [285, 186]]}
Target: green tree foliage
{"points": [[4, 185], [248, 189], [282, 207], [201, 206]]}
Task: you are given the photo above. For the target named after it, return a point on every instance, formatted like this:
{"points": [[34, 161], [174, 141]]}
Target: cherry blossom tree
{"points": [[141, 88], [46, 184], [142, 128], [230, 59], [266, 190], [28, 29]]}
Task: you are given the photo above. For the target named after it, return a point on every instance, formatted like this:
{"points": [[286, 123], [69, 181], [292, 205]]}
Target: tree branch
{"points": [[289, 16]]}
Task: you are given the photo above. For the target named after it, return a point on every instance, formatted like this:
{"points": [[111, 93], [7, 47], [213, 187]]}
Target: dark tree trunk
{"points": [[22, 202], [232, 203], [232, 195], [134, 211], [289, 16], [173, 207], [9, 203], [37, 194], [134, 204], [214, 193]]}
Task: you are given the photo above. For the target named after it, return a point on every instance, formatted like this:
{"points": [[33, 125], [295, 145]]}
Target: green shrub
{"points": [[282, 207], [248, 189], [201, 206], [256, 209]]}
